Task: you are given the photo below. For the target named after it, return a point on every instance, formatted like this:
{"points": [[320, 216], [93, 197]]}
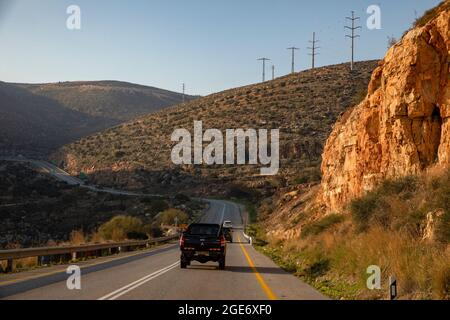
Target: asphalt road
{"points": [[156, 274], [58, 173]]}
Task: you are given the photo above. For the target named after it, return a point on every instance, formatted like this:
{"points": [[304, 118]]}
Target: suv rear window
{"points": [[204, 230]]}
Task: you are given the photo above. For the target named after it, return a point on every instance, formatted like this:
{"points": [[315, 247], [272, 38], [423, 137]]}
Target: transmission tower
{"points": [[264, 67], [273, 72], [184, 92], [313, 49], [353, 36], [293, 57]]}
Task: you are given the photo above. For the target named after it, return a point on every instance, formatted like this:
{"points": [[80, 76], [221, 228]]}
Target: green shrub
{"points": [[156, 205], [168, 217], [320, 226], [182, 198], [154, 231], [317, 269], [375, 206], [120, 227], [404, 186], [119, 154], [441, 192], [239, 192], [443, 228], [308, 176]]}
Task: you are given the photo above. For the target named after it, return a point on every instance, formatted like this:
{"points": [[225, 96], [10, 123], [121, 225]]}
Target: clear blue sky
{"points": [[211, 45]]}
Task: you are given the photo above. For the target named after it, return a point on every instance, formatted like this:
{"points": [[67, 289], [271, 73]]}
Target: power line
{"points": [[264, 67], [293, 57], [313, 49], [353, 36]]}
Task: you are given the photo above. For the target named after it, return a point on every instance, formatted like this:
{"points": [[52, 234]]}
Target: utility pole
{"points": [[353, 36], [313, 50], [264, 68], [273, 72], [293, 57], [184, 92]]}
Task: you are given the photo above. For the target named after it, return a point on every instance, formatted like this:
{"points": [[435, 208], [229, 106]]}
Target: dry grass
{"points": [[340, 257], [78, 237], [386, 229], [432, 13]]}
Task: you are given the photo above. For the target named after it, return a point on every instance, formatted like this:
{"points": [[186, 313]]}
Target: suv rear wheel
{"points": [[222, 264]]}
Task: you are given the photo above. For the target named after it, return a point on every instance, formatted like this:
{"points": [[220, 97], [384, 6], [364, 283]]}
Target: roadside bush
{"points": [[182, 198], [156, 205], [320, 226], [77, 237], [443, 228], [119, 154], [168, 217], [239, 192], [377, 206], [120, 227], [308, 176], [154, 231], [135, 235]]}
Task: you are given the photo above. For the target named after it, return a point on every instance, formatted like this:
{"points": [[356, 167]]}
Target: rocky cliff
{"points": [[402, 127]]}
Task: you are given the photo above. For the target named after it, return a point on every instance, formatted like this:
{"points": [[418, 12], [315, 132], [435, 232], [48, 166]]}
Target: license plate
{"points": [[203, 253]]}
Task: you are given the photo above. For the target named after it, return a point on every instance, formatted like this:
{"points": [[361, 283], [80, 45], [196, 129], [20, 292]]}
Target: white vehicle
{"points": [[228, 224]]}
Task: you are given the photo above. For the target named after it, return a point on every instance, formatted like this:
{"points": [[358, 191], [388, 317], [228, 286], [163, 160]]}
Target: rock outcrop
{"points": [[403, 125]]}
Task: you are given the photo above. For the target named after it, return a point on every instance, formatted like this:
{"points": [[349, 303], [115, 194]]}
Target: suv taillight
{"points": [[182, 241], [223, 241]]}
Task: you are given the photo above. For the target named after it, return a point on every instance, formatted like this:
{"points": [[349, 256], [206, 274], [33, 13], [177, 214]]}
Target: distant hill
{"points": [[303, 105], [116, 100], [43, 117]]}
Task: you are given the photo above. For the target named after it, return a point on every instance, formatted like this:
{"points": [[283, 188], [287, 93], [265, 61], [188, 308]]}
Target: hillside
{"points": [[385, 193], [38, 124], [38, 210], [41, 118], [304, 106], [118, 101]]}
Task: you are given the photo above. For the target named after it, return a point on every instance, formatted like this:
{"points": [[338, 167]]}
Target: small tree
{"points": [[121, 228], [391, 41], [168, 217]]}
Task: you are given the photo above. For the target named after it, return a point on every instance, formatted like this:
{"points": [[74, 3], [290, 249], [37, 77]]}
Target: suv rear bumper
{"points": [[201, 256]]}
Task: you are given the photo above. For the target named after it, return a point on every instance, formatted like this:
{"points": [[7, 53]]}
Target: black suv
{"points": [[203, 243]]}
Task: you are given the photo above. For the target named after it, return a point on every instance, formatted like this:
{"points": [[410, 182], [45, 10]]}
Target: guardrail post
{"points": [[10, 266], [43, 260]]}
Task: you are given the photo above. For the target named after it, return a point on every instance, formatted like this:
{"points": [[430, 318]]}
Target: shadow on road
{"points": [[45, 280], [262, 270], [237, 269]]}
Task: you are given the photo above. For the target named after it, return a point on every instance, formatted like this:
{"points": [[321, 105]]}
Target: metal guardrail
{"points": [[73, 251]]}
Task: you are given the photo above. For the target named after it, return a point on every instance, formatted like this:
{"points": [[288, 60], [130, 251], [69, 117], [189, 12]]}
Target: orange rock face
{"points": [[403, 125]]}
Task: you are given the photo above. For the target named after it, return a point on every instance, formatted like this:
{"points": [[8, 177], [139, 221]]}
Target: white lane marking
{"points": [[223, 211], [124, 290]]}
